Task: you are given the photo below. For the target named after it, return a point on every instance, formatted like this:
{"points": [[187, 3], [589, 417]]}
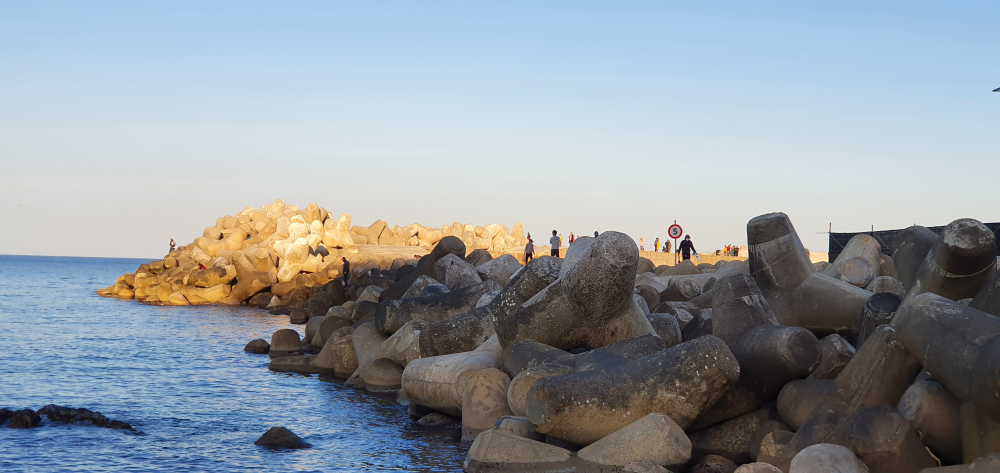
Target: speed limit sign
{"points": [[675, 231]]}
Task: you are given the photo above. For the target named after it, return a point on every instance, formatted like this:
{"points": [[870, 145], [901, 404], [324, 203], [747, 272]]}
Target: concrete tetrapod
{"points": [[654, 437], [859, 263], [958, 345], [909, 248], [591, 303], [425, 267], [959, 264], [826, 458], [988, 299], [877, 375], [883, 439], [392, 314], [931, 409], [496, 450], [432, 382], [797, 294], [770, 355], [680, 382]]}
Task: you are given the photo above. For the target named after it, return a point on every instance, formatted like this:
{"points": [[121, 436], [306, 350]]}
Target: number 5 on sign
{"points": [[675, 231]]}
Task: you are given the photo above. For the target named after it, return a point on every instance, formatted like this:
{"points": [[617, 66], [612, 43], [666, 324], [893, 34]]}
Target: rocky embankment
{"points": [[262, 253], [601, 362]]}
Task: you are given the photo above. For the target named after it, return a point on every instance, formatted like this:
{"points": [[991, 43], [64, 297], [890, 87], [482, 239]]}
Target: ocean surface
{"points": [[180, 376]]}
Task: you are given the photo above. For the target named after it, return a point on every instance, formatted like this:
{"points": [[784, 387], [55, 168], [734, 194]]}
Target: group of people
{"points": [[555, 242], [685, 248], [731, 250]]}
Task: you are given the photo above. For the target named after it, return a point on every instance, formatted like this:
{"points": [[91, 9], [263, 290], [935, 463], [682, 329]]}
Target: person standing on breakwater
{"points": [[554, 242], [666, 246], [641, 246], [172, 244], [686, 248], [595, 233], [347, 271], [656, 245], [529, 250]]}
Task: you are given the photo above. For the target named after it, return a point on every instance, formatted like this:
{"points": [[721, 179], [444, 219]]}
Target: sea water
{"points": [[180, 377]]}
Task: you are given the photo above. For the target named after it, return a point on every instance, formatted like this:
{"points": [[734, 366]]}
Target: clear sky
{"points": [[123, 124]]}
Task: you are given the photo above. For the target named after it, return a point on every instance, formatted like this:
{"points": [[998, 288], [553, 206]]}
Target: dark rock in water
{"points": [[261, 300], [259, 346], [280, 437], [436, 419], [24, 419], [69, 415], [310, 349], [5, 414]]}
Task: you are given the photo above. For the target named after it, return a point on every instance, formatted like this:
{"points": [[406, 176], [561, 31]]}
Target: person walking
{"points": [[554, 243], [347, 271], [641, 247], [686, 248], [529, 250], [656, 245], [172, 244]]}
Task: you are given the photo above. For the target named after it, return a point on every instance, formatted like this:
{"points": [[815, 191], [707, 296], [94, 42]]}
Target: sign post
{"points": [[675, 231]]}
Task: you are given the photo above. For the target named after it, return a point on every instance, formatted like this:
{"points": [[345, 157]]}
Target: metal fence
{"points": [[839, 240]]}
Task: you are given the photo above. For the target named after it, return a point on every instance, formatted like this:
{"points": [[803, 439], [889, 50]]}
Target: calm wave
{"points": [[179, 376]]}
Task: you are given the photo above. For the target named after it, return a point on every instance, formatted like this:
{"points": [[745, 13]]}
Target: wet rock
{"points": [[654, 437], [24, 419], [280, 437], [680, 382], [383, 375], [259, 346], [518, 426], [69, 415], [437, 419], [590, 305], [494, 450], [285, 342]]}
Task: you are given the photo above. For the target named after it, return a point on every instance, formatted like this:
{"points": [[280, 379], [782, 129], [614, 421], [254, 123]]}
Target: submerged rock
{"points": [[280, 437], [69, 415]]}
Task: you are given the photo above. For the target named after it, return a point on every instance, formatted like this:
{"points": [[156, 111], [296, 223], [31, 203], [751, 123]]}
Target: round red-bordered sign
{"points": [[675, 231]]}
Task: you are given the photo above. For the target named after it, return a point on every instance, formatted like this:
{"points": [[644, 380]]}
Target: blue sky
{"points": [[123, 124]]}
